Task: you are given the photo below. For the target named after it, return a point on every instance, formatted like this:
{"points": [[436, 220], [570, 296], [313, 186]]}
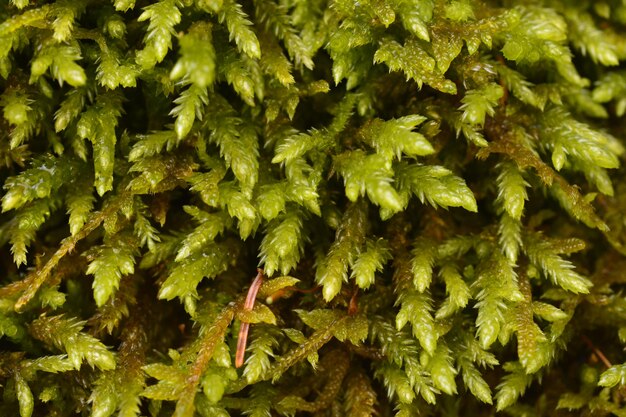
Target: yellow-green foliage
{"points": [[433, 188]]}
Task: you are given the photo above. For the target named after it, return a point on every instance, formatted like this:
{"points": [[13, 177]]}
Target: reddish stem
{"points": [[248, 305], [241, 344]]}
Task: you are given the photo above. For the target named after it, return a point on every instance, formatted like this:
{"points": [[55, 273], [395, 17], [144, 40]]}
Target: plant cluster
{"points": [[432, 189]]}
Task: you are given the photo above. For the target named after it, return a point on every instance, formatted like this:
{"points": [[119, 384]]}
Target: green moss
{"points": [[433, 189]]}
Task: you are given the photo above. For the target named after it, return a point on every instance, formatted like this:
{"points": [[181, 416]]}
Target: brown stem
{"points": [[597, 351]]}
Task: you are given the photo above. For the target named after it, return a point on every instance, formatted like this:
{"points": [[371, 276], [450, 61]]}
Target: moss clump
{"points": [[432, 189]]}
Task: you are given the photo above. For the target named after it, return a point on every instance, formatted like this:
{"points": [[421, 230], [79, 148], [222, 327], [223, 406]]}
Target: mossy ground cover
{"points": [[432, 189]]}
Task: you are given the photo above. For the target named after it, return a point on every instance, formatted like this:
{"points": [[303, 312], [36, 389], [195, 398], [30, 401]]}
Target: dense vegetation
{"points": [[432, 189]]}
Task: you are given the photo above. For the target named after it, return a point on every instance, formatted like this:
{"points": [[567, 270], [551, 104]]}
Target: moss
{"points": [[432, 190]]}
